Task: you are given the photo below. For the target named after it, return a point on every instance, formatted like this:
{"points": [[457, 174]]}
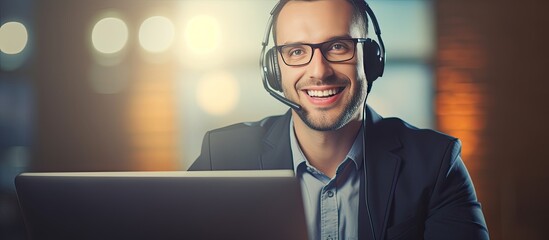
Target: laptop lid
{"points": [[162, 205]]}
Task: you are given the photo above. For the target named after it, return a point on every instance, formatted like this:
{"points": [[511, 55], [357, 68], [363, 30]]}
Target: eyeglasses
{"points": [[338, 50]]}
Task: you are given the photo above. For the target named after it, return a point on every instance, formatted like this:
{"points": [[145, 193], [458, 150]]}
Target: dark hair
{"points": [[359, 14]]}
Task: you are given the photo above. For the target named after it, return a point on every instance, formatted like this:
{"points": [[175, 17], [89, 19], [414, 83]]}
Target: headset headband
{"points": [[278, 7]]}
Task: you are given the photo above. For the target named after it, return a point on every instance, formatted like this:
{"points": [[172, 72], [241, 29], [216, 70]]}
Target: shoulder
{"points": [[392, 129], [238, 146], [424, 150], [433, 181]]}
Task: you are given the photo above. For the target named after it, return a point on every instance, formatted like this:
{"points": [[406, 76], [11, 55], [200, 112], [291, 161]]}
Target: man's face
{"points": [[330, 94]]}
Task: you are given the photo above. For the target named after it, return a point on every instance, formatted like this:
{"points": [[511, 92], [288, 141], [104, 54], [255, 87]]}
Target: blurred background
{"points": [[134, 85]]}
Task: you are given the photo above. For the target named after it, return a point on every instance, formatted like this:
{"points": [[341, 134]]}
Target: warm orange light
{"points": [[460, 99], [461, 122], [152, 120]]}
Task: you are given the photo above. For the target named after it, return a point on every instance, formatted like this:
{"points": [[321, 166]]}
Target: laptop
{"points": [[162, 205]]}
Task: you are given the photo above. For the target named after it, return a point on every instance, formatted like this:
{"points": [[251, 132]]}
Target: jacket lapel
{"points": [[277, 153], [382, 170]]}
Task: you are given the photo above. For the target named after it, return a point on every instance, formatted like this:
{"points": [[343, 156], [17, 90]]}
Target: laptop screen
{"points": [[162, 205]]}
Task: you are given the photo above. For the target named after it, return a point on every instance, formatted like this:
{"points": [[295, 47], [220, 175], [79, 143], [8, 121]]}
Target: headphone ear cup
{"points": [[273, 70], [373, 61]]}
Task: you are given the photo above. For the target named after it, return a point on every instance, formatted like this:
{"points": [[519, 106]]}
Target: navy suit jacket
{"points": [[418, 186]]}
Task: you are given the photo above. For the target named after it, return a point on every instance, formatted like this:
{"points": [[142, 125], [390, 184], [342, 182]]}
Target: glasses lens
{"points": [[334, 51], [339, 50], [296, 54]]}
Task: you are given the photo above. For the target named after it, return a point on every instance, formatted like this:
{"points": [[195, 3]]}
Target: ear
{"points": [[273, 70], [372, 59]]}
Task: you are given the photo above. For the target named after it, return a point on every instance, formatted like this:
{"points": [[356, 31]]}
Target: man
{"points": [[401, 183]]}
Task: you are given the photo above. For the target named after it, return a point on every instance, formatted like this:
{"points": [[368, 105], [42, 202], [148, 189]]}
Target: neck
{"points": [[325, 150]]}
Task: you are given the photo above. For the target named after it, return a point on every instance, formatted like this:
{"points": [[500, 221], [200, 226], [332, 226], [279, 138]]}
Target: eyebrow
{"points": [[346, 36]]}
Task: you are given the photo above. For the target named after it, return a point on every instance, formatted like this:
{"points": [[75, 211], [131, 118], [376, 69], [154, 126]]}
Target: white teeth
{"points": [[323, 93]]}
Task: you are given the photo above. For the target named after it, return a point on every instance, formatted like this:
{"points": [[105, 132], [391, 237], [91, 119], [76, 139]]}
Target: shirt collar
{"points": [[355, 153]]}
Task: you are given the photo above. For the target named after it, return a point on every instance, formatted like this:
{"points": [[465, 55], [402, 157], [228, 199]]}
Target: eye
{"points": [[296, 52], [338, 46]]}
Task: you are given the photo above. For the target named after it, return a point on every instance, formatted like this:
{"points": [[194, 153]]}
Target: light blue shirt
{"points": [[331, 205]]}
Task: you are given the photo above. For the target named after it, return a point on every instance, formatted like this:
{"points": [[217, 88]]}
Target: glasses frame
{"points": [[319, 45]]}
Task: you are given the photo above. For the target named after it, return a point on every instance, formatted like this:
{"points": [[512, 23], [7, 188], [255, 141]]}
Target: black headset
{"points": [[373, 55]]}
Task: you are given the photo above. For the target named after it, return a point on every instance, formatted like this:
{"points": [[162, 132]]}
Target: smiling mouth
{"points": [[324, 93]]}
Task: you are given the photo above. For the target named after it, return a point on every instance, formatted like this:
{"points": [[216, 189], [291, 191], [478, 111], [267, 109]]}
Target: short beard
{"points": [[349, 112]]}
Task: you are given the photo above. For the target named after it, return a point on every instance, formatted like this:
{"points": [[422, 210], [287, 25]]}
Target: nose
{"points": [[319, 67]]}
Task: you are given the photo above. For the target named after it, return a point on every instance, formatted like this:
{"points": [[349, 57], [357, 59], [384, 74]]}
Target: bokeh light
{"points": [[156, 34], [13, 37], [218, 93], [203, 34], [109, 35]]}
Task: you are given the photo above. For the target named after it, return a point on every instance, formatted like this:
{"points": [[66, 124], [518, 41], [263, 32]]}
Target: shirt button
{"points": [[330, 194]]}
